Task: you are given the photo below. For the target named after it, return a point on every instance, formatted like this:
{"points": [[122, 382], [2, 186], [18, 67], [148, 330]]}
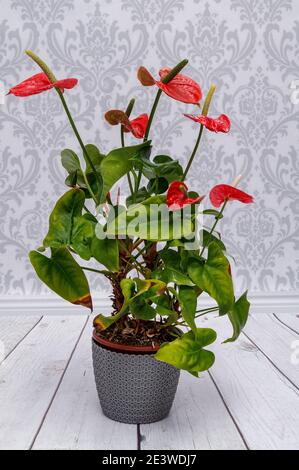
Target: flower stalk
{"points": [[45, 68]]}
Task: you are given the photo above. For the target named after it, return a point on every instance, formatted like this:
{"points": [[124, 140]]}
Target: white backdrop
{"points": [[249, 48]]}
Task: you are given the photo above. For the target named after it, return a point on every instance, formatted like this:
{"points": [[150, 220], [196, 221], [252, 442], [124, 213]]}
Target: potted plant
{"points": [[152, 247]]}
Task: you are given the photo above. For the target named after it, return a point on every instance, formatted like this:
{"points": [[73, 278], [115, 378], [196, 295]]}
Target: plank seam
{"points": [[21, 340], [271, 362], [229, 412], [285, 324], [58, 385]]}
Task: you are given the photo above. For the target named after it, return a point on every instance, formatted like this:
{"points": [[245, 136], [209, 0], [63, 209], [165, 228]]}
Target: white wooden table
{"points": [[249, 400]]}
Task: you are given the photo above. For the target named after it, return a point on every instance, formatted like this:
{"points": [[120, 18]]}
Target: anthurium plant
{"points": [[152, 246]]}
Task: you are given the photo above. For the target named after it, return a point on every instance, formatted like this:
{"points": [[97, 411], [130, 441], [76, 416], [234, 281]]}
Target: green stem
{"points": [[205, 111], [215, 309], [122, 138], [53, 79], [106, 273], [219, 216], [193, 153], [152, 114]]}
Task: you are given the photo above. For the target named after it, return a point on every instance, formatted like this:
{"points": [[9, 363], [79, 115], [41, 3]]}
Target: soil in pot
{"points": [[138, 333]]}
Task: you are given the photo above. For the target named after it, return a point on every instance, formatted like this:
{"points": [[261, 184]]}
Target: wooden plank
{"points": [[75, 420], [290, 320], [275, 340], [30, 375], [12, 330], [198, 420], [263, 403]]}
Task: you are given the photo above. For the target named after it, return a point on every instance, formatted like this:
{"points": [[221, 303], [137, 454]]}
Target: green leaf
{"points": [[95, 156], [238, 316], [82, 233], [151, 220], [117, 164], [106, 251], [142, 310], [213, 277], [63, 275], [70, 161], [187, 352], [188, 301], [208, 238], [68, 207], [217, 214], [127, 287]]}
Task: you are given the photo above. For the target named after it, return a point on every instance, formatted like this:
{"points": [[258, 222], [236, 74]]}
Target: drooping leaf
{"points": [[127, 286], [188, 353], [117, 164], [68, 207], [213, 277], [188, 301], [238, 316], [62, 274], [106, 252]]}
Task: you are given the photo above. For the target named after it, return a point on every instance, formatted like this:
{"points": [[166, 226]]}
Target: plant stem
{"points": [[217, 218], [193, 153], [81, 145], [53, 79], [215, 309], [122, 138], [152, 114], [106, 273], [205, 111]]}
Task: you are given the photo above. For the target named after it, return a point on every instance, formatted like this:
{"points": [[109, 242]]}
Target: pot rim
{"points": [[123, 348]]}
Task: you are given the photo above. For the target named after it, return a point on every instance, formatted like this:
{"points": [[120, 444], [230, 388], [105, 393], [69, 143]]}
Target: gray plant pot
{"points": [[133, 388]]}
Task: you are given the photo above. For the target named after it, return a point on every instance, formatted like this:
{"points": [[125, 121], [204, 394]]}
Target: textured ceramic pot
{"points": [[133, 388]]}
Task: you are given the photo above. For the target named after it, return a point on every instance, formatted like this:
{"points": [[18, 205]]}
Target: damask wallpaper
{"points": [[248, 48]]}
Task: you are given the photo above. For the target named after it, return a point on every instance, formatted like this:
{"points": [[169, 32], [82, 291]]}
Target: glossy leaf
{"points": [[106, 252], [238, 316], [154, 225], [188, 353], [208, 238], [117, 164], [188, 301], [70, 161], [62, 274], [213, 277], [95, 156], [142, 310], [68, 207], [82, 234]]}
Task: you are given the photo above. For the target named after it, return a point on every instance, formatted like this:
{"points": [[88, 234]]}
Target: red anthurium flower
{"points": [[180, 88], [224, 192], [220, 124], [136, 126], [177, 196], [39, 83]]}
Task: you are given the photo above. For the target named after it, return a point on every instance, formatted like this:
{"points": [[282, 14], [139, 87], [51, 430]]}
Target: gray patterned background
{"points": [[249, 48]]}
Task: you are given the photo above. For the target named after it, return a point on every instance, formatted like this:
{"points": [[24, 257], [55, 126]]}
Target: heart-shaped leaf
{"points": [[62, 274], [213, 277], [188, 353], [68, 207], [117, 164]]}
